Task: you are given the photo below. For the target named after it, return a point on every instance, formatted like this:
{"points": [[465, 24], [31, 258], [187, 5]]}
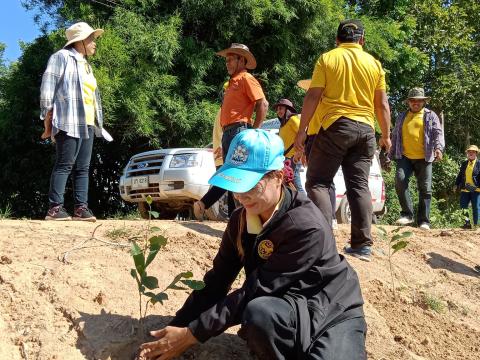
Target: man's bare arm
{"points": [[310, 103], [382, 111], [261, 108]]}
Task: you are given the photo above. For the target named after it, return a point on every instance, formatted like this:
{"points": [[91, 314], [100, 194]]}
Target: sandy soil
{"points": [[87, 306]]}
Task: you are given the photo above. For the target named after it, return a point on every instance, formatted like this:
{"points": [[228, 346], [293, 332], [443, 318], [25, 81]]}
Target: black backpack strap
{"points": [[288, 150]]}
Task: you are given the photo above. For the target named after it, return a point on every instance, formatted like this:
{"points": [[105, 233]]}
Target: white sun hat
{"points": [[80, 31]]}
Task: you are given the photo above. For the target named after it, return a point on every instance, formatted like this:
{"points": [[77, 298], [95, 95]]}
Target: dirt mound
{"points": [[87, 306]]}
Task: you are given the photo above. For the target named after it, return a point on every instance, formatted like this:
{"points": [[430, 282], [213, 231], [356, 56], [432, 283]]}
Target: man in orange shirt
{"points": [[242, 97]]}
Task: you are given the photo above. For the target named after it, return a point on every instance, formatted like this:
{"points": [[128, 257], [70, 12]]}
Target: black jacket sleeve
{"points": [[218, 280], [294, 256], [461, 174]]}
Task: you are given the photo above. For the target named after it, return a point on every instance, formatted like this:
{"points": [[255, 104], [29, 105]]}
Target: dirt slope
{"points": [[87, 308]]}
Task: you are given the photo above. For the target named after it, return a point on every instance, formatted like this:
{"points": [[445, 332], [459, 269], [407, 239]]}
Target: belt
{"points": [[235, 125]]}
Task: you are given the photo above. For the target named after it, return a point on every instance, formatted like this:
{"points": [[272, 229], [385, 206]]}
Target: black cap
{"points": [[350, 30]]}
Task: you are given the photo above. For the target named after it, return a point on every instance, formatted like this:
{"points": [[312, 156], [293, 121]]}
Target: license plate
{"points": [[140, 182]]}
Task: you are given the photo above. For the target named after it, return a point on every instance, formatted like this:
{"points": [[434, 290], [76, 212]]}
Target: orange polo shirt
{"points": [[239, 99]]}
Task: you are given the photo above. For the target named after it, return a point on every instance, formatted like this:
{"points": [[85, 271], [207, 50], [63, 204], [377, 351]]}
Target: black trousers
{"points": [[215, 193], [269, 327], [331, 191], [350, 144]]}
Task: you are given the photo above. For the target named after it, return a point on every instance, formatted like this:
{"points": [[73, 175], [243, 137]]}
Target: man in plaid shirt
{"points": [[72, 113]]}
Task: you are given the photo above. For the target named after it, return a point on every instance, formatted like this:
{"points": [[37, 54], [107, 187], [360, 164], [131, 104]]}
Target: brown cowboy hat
{"points": [[241, 50], [304, 84], [287, 103]]}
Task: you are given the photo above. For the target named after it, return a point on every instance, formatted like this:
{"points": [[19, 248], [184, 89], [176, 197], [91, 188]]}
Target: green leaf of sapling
{"points": [[150, 282], [399, 246], [155, 214], [194, 284]]}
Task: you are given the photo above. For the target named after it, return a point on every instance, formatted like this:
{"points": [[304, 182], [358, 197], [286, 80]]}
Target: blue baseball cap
{"points": [[252, 154]]}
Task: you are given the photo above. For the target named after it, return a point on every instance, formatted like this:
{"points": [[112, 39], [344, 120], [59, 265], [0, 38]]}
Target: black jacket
{"points": [[305, 269], [460, 182]]}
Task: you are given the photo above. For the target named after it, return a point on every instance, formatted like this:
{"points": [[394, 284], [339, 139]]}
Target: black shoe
{"points": [[58, 213], [83, 213], [467, 225]]}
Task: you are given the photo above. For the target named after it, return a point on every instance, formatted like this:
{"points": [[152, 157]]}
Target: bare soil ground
{"points": [[87, 307]]}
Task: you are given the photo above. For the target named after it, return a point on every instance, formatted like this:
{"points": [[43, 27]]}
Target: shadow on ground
{"points": [[438, 261], [118, 337], [202, 228]]}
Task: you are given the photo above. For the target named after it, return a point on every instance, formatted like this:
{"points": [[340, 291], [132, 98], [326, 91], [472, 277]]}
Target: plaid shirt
{"points": [[61, 91], [432, 136]]}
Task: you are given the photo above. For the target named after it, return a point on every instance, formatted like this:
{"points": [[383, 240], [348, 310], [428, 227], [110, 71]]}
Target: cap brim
{"points": [[251, 61], [96, 33], [292, 109], [236, 180]]}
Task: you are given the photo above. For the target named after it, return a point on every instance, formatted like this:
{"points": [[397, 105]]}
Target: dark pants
{"points": [[470, 197], [423, 173], [269, 326], [72, 157], [350, 144], [215, 193]]}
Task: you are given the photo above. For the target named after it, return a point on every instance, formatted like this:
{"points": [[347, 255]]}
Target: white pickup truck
{"points": [[176, 178]]}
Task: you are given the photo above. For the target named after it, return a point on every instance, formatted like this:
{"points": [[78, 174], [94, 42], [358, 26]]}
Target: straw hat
{"points": [[472, 148], [241, 50], [80, 31], [304, 84]]}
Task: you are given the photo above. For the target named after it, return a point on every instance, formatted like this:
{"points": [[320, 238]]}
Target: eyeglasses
{"points": [[257, 190]]}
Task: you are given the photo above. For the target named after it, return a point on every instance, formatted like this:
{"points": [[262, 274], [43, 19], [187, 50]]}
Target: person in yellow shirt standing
{"points": [[348, 89], [468, 181], [289, 123], [417, 142]]}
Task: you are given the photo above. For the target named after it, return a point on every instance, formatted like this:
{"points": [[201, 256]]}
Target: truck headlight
{"points": [[185, 160]]}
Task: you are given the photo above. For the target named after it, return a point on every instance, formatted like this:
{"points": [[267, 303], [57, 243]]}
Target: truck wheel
{"points": [[343, 213], [219, 210], [163, 214], [143, 210]]}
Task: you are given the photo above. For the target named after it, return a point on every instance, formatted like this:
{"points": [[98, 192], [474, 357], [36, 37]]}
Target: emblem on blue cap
{"points": [[240, 155]]}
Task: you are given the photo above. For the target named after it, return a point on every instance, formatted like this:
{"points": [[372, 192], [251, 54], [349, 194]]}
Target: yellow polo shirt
{"points": [[349, 77], [288, 132], [89, 85], [412, 135], [469, 174]]}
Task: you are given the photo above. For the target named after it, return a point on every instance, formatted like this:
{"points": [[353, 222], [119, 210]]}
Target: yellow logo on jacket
{"points": [[265, 249]]}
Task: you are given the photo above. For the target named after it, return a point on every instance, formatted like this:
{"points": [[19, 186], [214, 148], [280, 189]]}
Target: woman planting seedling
{"points": [[300, 299]]}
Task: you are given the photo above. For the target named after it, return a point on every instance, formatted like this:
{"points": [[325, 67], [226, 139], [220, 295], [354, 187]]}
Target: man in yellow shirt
{"points": [[417, 142], [348, 89], [468, 180]]}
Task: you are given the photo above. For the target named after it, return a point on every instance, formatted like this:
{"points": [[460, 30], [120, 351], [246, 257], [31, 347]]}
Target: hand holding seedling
{"points": [[172, 342]]}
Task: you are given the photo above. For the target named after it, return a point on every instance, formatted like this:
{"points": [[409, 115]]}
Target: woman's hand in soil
{"points": [[172, 342]]}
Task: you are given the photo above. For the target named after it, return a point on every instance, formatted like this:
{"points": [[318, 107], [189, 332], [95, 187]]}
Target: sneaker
{"points": [[58, 213], [363, 253], [199, 210], [83, 213], [334, 224], [424, 226], [404, 220], [467, 225]]}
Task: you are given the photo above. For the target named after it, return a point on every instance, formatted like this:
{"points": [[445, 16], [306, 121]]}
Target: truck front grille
{"points": [[145, 165]]}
